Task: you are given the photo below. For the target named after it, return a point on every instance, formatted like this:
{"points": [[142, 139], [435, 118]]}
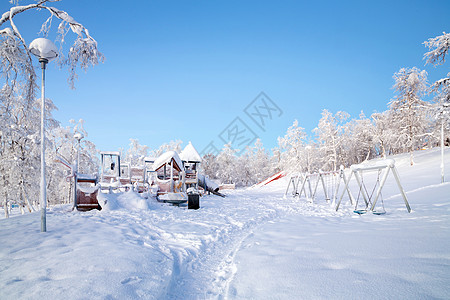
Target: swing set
{"points": [[303, 183], [307, 184], [382, 167]]}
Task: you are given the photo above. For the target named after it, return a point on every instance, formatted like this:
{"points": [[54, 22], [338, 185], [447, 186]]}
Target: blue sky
{"points": [[187, 69]]}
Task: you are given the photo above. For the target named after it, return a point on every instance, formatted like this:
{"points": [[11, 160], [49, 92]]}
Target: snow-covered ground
{"points": [[251, 244]]}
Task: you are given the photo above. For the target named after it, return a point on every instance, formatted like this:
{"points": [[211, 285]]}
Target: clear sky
{"points": [[187, 69]]}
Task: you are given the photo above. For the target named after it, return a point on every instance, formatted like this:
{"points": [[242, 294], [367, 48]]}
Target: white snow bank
{"points": [[374, 164], [130, 201], [88, 189]]}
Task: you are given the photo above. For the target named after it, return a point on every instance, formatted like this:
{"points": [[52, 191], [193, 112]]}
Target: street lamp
{"points": [[443, 111], [78, 137], [46, 51]]}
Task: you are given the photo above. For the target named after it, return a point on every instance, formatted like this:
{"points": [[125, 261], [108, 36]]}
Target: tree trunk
{"points": [[30, 206], [21, 203], [383, 151], [5, 206], [368, 155], [70, 193]]}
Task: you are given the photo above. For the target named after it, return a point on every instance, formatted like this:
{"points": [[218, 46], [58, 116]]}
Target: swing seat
{"points": [[360, 211], [379, 212]]}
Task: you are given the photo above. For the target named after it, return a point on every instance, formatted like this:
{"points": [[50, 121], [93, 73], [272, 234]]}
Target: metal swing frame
{"points": [[295, 181], [300, 180], [369, 197], [384, 165]]}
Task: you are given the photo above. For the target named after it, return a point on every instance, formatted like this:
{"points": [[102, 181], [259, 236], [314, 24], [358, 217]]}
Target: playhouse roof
{"points": [[149, 159], [166, 158], [190, 154], [110, 153]]}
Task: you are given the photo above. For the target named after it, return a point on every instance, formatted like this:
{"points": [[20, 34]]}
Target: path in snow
{"points": [[133, 248]]}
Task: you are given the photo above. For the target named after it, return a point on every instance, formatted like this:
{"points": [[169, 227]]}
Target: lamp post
{"points": [[78, 137], [443, 111], [45, 50]]}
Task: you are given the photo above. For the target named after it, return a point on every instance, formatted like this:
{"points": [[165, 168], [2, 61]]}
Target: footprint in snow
{"points": [[130, 280]]}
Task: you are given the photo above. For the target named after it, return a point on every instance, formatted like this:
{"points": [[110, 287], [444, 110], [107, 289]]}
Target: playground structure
{"points": [[307, 184], [111, 171], [85, 187], [193, 180], [86, 193], [191, 161], [168, 178], [137, 178]]}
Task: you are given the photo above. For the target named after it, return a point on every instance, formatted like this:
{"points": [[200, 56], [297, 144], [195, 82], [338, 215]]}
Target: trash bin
{"points": [[193, 201]]}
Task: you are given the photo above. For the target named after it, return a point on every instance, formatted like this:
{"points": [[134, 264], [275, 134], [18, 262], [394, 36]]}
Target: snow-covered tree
{"points": [[171, 146], [65, 145], [227, 162], [261, 162], [440, 115], [275, 160], [291, 147], [19, 143], [439, 47], [358, 140], [254, 165], [244, 173], [383, 133], [409, 113], [209, 166], [136, 153], [329, 137]]}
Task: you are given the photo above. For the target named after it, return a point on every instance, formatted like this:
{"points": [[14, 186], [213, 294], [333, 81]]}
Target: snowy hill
{"points": [[251, 244]]}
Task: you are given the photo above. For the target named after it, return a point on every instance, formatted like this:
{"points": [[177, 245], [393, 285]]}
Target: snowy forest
{"points": [[412, 121]]}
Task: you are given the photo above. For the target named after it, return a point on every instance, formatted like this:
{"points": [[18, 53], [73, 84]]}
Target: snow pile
{"points": [[251, 244], [128, 201]]}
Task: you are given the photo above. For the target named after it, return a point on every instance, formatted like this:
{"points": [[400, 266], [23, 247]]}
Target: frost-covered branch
{"points": [[16, 59], [439, 47]]}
